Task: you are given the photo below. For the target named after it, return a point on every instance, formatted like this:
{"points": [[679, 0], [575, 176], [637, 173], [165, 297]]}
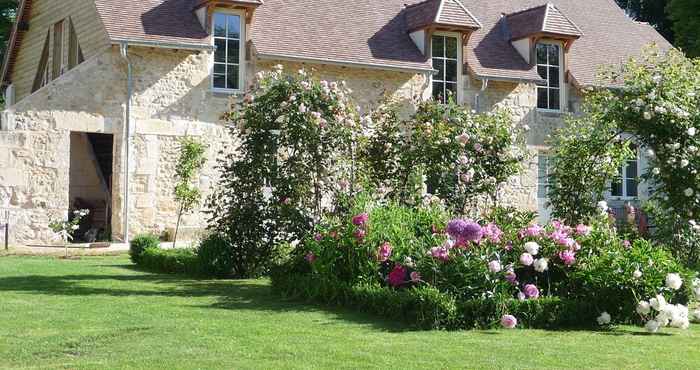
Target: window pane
{"points": [[616, 189], [541, 54], [233, 51], [553, 51], [439, 64], [220, 25], [220, 81], [438, 88], [234, 26], [542, 71], [220, 54], [632, 188], [451, 90], [232, 77], [451, 71], [554, 99], [220, 69], [451, 47], [553, 76], [438, 46], [542, 101], [631, 170]]}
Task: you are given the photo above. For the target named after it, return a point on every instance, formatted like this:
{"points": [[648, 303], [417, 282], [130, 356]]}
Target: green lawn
{"points": [[99, 312]]}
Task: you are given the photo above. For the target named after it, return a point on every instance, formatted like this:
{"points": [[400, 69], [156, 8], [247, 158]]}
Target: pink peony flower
{"points": [[415, 277], [464, 231], [333, 234], [511, 276], [494, 266], [310, 257], [531, 291], [509, 321], [360, 220], [440, 253], [583, 230], [509, 246], [526, 259], [493, 233], [384, 252], [532, 231], [627, 244], [568, 257], [318, 237], [359, 235], [397, 276]]}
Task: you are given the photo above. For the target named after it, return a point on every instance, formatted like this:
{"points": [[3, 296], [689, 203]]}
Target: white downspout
{"points": [[124, 48], [484, 86]]}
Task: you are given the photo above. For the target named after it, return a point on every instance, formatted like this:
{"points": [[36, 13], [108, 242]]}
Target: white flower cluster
{"points": [[662, 313]]}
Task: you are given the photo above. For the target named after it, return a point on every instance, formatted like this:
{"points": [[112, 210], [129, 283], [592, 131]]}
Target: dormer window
{"points": [[228, 33], [446, 56], [549, 67]]}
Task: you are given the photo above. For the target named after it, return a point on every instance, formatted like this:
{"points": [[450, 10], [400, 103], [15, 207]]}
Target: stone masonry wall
{"points": [[172, 98]]}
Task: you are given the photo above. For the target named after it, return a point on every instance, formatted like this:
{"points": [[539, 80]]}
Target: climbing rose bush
{"points": [[292, 163], [443, 150]]}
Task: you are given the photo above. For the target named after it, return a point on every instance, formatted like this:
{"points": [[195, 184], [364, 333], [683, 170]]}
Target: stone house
{"points": [[99, 91]]}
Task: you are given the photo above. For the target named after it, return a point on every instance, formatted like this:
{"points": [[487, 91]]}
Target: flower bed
{"points": [[413, 263]]}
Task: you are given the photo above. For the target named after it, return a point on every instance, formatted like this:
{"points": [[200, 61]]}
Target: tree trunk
{"points": [[177, 226]]}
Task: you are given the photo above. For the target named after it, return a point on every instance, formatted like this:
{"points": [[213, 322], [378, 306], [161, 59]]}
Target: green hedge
{"points": [[172, 261], [428, 308], [139, 244]]}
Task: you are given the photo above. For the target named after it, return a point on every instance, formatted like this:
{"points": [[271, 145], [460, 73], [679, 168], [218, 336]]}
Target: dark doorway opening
{"points": [[91, 166]]}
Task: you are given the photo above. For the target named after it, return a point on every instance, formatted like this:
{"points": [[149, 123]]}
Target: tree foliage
{"points": [[685, 15], [191, 160]]}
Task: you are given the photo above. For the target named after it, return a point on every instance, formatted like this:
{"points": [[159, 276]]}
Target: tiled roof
{"points": [[360, 31], [544, 19], [153, 21], [375, 32], [609, 37], [449, 13]]}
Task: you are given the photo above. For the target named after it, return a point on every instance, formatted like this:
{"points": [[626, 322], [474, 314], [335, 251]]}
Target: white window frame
{"points": [[562, 68], [624, 179], [543, 181], [241, 51], [460, 62]]}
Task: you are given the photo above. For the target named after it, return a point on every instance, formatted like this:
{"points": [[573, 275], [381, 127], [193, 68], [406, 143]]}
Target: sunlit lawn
{"points": [[100, 312]]}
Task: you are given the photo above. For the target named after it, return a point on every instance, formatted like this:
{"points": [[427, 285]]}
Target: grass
{"points": [[100, 312]]}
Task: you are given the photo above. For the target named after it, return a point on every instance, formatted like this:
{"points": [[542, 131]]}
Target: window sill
{"points": [[550, 112], [226, 93], [624, 199]]}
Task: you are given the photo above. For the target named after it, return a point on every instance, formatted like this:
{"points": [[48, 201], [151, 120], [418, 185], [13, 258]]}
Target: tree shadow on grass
{"points": [[252, 295]]}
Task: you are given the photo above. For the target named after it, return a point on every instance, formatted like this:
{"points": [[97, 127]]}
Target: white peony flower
{"points": [[604, 319], [637, 274], [652, 326], [495, 266], [541, 265], [691, 131], [658, 303], [532, 248], [643, 308], [674, 281]]}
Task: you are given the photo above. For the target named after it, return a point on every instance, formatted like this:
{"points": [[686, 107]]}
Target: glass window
{"points": [[445, 51], [228, 54], [549, 68], [627, 184]]}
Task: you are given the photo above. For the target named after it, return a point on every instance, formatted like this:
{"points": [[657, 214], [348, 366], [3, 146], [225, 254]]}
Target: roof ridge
{"points": [[406, 6], [527, 10]]}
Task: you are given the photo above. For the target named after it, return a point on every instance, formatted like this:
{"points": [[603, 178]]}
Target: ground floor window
{"points": [[627, 184]]}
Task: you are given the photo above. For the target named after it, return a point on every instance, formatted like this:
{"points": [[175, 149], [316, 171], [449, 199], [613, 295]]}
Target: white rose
{"points": [[674, 281], [647, 116], [652, 326], [643, 308], [603, 206], [689, 192], [604, 319], [541, 265], [637, 274], [684, 163], [656, 171], [650, 153], [658, 303], [532, 248], [691, 131]]}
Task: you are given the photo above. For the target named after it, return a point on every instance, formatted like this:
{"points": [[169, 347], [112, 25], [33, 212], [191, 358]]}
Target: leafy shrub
{"points": [[214, 253], [171, 261], [456, 154], [139, 244], [552, 275]]}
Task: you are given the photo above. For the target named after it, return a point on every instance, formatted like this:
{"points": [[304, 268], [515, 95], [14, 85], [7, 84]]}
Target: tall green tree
{"points": [[653, 12], [8, 10], [685, 15]]}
